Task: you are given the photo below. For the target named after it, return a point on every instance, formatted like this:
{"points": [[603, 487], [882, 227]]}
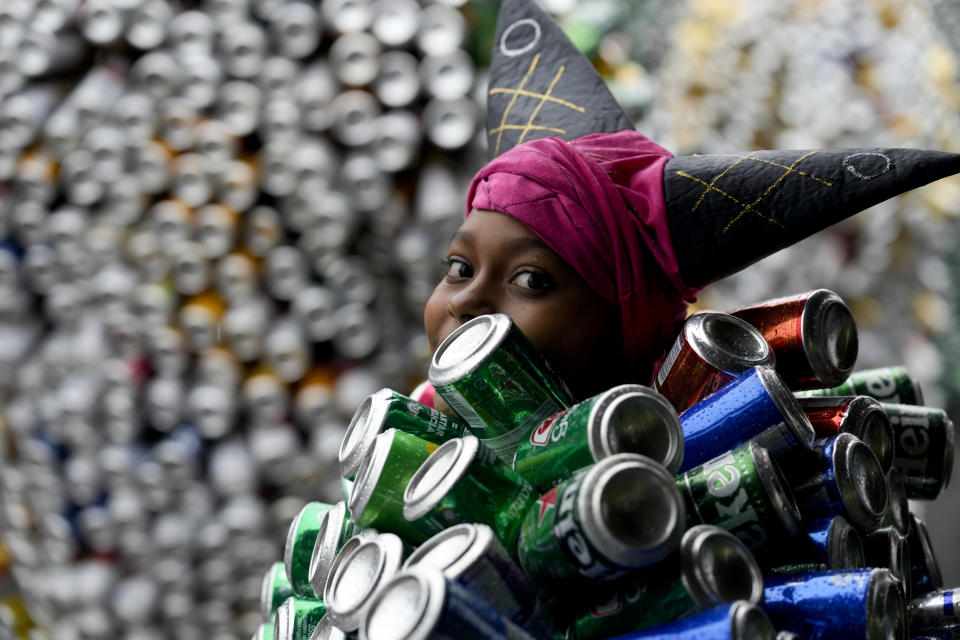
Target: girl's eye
{"points": [[457, 268], [534, 280]]}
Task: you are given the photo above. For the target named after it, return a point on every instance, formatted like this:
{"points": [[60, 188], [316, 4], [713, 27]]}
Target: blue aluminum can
{"points": [[841, 476], [827, 544], [838, 605], [739, 620], [925, 573], [936, 614], [754, 405]]}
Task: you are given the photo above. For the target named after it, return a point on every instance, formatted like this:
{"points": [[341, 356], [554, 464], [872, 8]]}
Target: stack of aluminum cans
{"points": [[219, 225], [759, 487]]}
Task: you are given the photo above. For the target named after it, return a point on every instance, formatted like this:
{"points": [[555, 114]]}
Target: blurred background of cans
{"points": [[220, 219]]}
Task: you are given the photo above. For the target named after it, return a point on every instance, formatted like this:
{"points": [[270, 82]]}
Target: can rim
{"points": [[371, 467], [604, 439], [844, 546], [592, 511], [388, 556], [777, 488], [475, 538], [494, 327], [457, 454], [818, 335], [885, 606], [425, 608], [749, 622], [865, 411], [919, 527], [325, 547], [897, 513], [700, 582], [948, 452], [367, 422], [857, 471], [702, 329], [327, 630], [794, 418], [266, 588]]}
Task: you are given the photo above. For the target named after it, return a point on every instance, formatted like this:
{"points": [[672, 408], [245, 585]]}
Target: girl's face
{"points": [[495, 264]]}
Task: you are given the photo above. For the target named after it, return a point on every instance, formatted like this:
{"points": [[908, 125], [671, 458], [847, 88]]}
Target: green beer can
{"points": [[297, 617], [886, 384], [711, 567], [744, 492], [463, 481], [387, 409], [274, 589], [493, 377], [264, 632], [923, 448], [336, 527], [377, 499], [629, 418], [610, 519], [301, 538]]}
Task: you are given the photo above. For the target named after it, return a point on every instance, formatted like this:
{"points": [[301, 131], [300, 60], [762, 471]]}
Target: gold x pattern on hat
{"points": [[543, 99], [751, 207]]}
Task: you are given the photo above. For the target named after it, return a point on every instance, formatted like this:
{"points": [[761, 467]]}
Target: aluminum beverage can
{"points": [[274, 589], [463, 481], [610, 519], [813, 335], [924, 439], [629, 418], [387, 409], [743, 491], [297, 617], [839, 605], [710, 351], [862, 416], [471, 555], [934, 613], [492, 377], [711, 567], [336, 527], [841, 476], [326, 630], [422, 602], [265, 631], [357, 575], [377, 498], [756, 404], [886, 384], [897, 514], [833, 543], [925, 573], [887, 549], [301, 538], [740, 620]]}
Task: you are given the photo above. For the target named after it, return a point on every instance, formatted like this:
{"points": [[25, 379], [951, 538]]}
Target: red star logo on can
{"points": [[546, 501]]}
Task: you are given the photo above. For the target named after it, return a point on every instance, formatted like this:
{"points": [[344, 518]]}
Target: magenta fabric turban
{"points": [[597, 201]]}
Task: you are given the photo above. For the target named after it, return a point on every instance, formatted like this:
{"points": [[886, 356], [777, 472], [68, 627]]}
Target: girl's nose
{"points": [[472, 300]]}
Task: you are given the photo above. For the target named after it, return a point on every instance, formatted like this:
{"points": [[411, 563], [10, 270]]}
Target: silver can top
{"points": [[366, 423], [829, 335], [467, 348], [886, 614], [356, 577], [727, 342], [860, 480], [632, 418], [844, 546], [717, 567]]}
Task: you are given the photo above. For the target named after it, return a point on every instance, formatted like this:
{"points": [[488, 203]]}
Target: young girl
{"points": [[595, 244]]}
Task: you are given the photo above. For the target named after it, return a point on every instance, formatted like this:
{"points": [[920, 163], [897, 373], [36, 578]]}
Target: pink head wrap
{"points": [[597, 201]]}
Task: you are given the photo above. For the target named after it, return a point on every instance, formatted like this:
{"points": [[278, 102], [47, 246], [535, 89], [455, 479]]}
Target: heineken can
{"points": [[841, 476], [471, 555], [887, 549], [812, 334], [744, 492], [629, 418], [493, 377], [274, 589], [710, 351], [463, 481], [301, 538], [862, 416], [754, 405], [924, 438], [897, 514], [297, 617], [326, 630], [377, 497], [925, 573], [838, 605], [741, 620], [886, 384], [622, 513], [934, 613], [336, 527], [387, 409], [711, 567], [265, 631], [421, 603], [357, 576]]}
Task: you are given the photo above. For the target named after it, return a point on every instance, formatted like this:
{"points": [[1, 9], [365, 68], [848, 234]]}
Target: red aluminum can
{"points": [[813, 335], [711, 350]]}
